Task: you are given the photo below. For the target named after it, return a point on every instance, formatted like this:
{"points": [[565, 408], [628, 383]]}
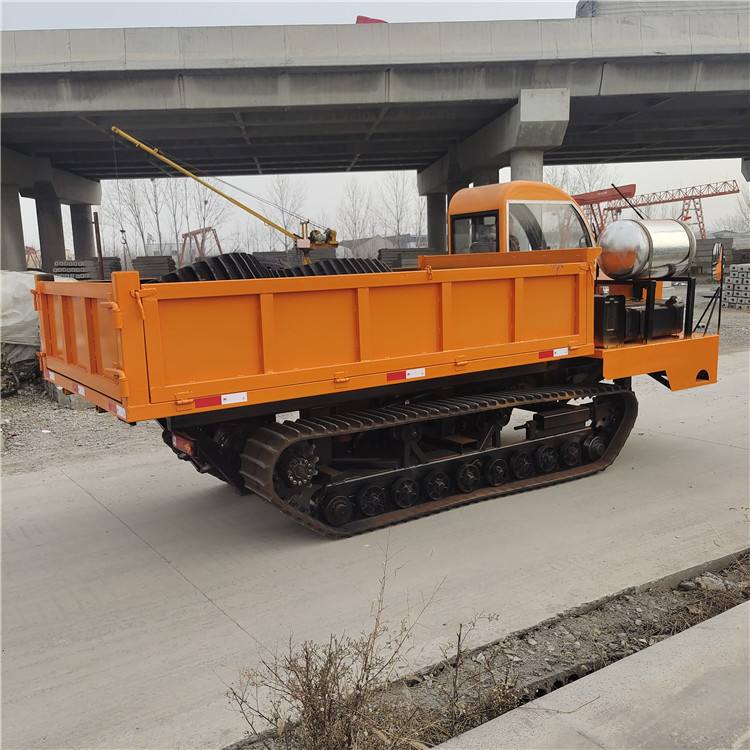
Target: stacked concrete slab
{"points": [[87, 269], [153, 266], [737, 287]]}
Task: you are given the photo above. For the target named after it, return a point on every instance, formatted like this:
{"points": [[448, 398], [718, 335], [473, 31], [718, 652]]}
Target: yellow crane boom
{"points": [[303, 242]]}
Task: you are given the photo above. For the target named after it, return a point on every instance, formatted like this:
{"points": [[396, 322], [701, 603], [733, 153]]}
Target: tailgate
{"points": [[81, 332]]}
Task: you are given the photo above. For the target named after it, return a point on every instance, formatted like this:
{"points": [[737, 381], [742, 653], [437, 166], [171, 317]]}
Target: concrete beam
{"points": [[13, 256], [537, 122], [31, 173]]}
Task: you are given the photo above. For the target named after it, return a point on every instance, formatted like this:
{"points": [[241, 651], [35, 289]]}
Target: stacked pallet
{"points": [[86, 269], [153, 266], [737, 287]]}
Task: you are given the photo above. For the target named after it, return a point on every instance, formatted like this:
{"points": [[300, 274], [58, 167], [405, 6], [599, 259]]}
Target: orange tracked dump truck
{"points": [[402, 382]]}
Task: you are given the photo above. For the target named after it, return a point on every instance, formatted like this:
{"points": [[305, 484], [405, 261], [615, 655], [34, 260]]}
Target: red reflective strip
{"points": [[400, 375], [546, 354], [208, 401]]}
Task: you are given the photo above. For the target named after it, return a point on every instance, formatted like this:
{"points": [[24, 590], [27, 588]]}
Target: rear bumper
{"points": [[687, 363]]}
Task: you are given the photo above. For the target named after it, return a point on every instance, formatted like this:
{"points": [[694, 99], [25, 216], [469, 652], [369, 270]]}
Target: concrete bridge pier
{"points": [[35, 178], [12, 249], [83, 231], [527, 164], [51, 234], [518, 138], [436, 218]]}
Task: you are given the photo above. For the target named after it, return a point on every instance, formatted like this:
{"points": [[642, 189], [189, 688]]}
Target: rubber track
{"points": [[266, 445]]}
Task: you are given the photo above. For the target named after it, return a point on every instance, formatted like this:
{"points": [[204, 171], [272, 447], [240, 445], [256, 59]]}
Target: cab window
{"points": [[545, 225], [474, 233]]}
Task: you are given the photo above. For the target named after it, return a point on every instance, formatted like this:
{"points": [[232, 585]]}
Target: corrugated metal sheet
{"points": [[590, 8]]}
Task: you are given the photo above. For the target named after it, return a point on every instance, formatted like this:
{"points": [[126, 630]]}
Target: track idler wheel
{"points": [[571, 453], [338, 510], [496, 472], [546, 458], [521, 465], [405, 492], [371, 500], [594, 447], [436, 485], [468, 477]]}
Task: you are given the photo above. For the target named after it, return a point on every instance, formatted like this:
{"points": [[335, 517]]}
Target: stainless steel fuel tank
{"points": [[646, 248]]}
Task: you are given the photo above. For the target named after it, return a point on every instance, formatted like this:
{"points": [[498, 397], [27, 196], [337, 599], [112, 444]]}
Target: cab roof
{"points": [[492, 197]]}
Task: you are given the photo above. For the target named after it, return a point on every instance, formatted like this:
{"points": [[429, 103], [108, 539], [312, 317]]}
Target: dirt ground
{"points": [[38, 434]]}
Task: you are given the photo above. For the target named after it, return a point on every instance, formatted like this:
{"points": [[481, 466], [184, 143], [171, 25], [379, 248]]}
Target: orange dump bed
{"points": [[158, 350]]}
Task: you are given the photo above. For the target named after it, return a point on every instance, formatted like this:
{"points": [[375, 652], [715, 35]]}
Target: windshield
{"points": [[545, 225], [476, 233]]}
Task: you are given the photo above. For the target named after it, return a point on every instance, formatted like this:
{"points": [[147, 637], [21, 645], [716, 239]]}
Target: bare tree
{"points": [[207, 209], [396, 196], [420, 217], [739, 221], [156, 202], [174, 195], [249, 237], [581, 178], [288, 195], [355, 212]]}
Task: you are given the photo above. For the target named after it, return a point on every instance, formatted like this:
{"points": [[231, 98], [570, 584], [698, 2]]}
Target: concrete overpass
{"points": [[455, 101]]}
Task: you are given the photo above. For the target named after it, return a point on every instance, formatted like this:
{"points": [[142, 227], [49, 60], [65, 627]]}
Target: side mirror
{"points": [[717, 260]]}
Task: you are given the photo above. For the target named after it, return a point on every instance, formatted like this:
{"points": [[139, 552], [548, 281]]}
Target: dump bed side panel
{"points": [[165, 349], [277, 339]]}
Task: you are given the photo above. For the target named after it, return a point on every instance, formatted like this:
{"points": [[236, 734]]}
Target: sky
{"points": [[326, 190]]}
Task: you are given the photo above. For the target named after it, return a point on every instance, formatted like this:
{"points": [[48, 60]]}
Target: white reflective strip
{"points": [[234, 398], [418, 372], [51, 376], [560, 352], [81, 390], [120, 411]]}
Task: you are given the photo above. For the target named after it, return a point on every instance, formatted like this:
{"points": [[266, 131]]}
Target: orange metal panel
{"points": [[155, 349], [687, 362]]}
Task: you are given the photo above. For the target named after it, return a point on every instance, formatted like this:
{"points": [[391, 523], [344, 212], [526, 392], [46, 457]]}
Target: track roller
{"points": [[338, 510], [496, 472], [468, 477], [436, 485], [521, 465], [371, 500], [405, 492]]}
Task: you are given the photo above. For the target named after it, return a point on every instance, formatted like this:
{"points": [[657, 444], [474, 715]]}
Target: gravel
{"points": [[39, 434]]}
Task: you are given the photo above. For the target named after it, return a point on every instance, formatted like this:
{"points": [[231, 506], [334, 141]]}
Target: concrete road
{"points": [[132, 590]]}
